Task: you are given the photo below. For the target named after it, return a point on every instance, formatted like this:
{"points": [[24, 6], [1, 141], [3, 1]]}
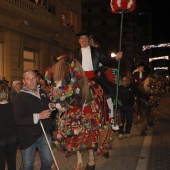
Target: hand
{"points": [[45, 114], [60, 108], [99, 74], [52, 106], [119, 55]]}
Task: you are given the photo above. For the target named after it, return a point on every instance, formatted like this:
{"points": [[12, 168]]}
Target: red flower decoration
{"points": [[74, 109], [79, 76], [75, 85], [66, 87], [71, 69]]}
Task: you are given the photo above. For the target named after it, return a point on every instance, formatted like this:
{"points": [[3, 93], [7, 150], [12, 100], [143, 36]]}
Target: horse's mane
{"points": [[60, 71], [83, 84]]}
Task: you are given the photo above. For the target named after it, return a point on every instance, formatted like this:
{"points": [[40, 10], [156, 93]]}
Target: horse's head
{"points": [[60, 73], [69, 82]]}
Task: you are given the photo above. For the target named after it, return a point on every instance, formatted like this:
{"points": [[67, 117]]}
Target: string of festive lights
{"points": [[160, 68], [147, 47], [159, 58]]}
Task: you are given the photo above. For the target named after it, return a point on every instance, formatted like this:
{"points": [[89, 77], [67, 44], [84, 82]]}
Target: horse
{"points": [[148, 108], [85, 123]]}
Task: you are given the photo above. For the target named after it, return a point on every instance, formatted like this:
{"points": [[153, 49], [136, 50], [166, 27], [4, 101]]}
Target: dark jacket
{"points": [[136, 77], [25, 105], [7, 124], [13, 93], [98, 57], [127, 94]]}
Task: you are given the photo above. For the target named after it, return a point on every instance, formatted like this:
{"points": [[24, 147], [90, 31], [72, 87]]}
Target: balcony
{"points": [[15, 13], [31, 9]]}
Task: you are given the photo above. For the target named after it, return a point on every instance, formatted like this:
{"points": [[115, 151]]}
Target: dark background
{"points": [[160, 32], [161, 21]]}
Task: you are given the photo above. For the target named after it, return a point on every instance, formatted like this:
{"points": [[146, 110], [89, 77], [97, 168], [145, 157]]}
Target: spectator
{"points": [[8, 139], [43, 83], [38, 74], [16, 87], [127, 92], [31, 106], [4, 80], [139, 75]]}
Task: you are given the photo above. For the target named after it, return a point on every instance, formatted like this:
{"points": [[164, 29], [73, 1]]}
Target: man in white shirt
{"points": [[94, 62], [139, 75]]}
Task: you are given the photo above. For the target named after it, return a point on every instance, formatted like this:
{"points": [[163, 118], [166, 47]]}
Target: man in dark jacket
{"points": [[127, 93], [16, 87], [31, 106], [139, 76], [93, 61]]}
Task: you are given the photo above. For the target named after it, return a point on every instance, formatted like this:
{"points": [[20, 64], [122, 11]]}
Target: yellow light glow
{"points": [[113, 55]]}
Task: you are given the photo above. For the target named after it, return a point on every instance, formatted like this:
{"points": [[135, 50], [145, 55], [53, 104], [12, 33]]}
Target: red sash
{"points": [[89, 74]]}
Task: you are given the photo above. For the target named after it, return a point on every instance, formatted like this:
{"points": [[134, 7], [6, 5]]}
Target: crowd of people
{"points": [[21, 108], [25, 105]]}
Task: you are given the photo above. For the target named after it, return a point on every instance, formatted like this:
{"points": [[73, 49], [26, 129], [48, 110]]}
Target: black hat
{"points": [[140, 64], [42, 77], [84, 32], [37, 72]]}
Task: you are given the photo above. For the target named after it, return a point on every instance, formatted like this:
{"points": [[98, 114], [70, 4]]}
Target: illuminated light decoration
{"points": [[126, 5], [159, 58], [160, 68], [147, 47]]}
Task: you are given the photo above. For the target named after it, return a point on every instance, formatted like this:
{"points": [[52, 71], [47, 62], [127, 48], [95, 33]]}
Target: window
{"points": [[64, 20], [30, 60], [71, 18], [72, 21]]}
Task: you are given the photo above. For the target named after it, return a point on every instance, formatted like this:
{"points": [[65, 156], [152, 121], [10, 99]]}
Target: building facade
{"points": [[34, 32]]}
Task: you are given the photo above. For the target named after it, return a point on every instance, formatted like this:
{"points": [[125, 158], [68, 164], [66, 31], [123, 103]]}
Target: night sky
{"points": [[161, 31], [161, 21], [160, 18]]}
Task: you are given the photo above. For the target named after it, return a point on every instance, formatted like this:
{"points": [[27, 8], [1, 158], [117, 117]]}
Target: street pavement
{"points": [[151, 152], [159, 158]]}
